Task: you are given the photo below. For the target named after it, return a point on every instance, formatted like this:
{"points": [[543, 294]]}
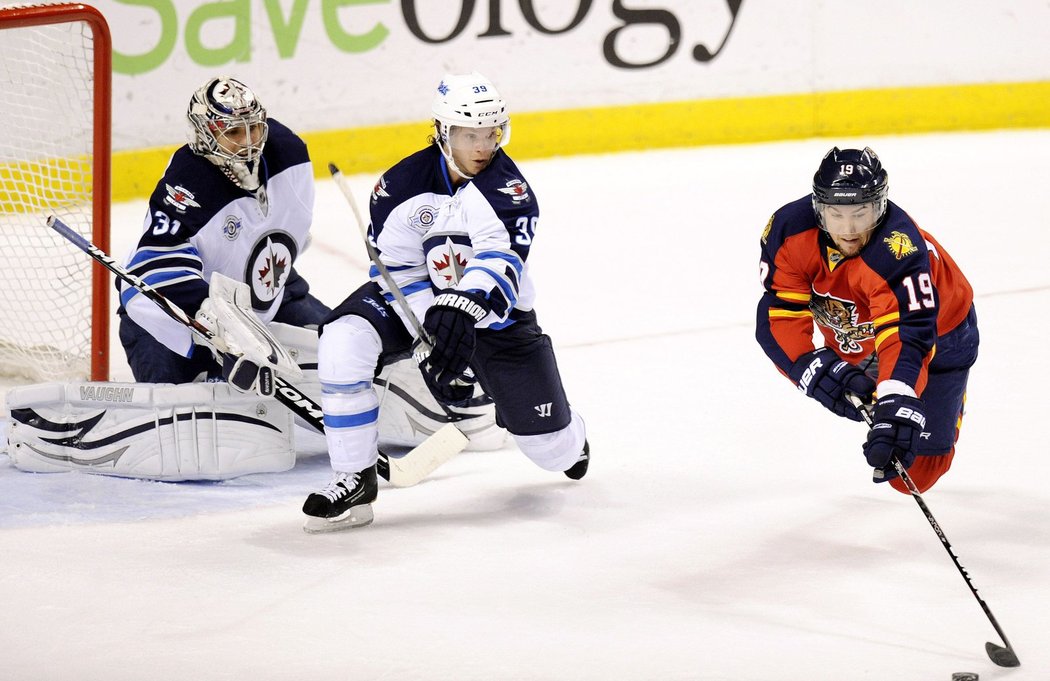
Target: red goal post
{"points": [[56, 78]]}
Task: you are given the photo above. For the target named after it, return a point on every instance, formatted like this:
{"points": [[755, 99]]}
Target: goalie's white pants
{"points": [[159, 431]]}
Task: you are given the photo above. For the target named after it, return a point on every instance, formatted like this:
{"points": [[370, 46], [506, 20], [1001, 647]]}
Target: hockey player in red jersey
{"points": [[895, 311]]}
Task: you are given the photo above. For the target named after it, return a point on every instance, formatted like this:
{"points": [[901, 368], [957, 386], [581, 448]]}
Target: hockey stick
{"points": [[404, 472], [452, 445], [285, 393], [1004, 657], [373, 255]]}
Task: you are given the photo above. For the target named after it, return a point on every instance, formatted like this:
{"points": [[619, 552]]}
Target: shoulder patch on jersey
{"points": [[231, 227], [900, 245], [179, 197], [379, 190], [517, 190], [423, 218], [769, 227]]}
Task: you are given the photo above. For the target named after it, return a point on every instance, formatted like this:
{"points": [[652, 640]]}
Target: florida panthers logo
{"points": [[900, 245], [841, 317]]}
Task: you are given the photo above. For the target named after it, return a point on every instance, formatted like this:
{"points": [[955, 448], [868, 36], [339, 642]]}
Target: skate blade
{"points": [[356, 516]]}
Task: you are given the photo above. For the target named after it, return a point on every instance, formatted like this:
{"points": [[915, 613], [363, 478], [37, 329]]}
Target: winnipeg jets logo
{"points": [[449, 264], [543, 410], [273, 270], [517, 190], [379, 190], [180, 198], [269, 266]]}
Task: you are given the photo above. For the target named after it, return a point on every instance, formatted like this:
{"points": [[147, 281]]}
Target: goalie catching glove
{"points": [[450, 322], [822, 375], [247, 351]]}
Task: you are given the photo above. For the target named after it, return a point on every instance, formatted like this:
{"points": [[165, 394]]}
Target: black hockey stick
{"points": [[287, 394], [1004, 657], [403, 472]]}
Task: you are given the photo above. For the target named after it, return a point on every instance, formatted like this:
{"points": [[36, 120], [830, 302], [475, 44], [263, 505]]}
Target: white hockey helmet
{"points": [[468, 101], [219, 107]]}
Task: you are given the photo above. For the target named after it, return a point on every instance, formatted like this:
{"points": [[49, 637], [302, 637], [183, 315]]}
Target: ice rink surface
{"points": [[727, 531]]}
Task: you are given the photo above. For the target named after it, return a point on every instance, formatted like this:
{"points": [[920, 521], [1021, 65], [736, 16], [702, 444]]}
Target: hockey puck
{"points": [[964, 676]]}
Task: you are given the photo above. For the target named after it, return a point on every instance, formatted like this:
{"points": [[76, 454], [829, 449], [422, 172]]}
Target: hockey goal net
{"points": [[54, 159]]}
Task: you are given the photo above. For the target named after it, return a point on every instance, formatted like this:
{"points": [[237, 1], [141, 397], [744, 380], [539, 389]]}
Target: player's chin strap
{"points": [[1002, 656]]}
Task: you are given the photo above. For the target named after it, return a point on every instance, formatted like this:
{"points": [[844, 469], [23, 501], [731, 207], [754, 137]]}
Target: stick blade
{"points": [[1004, 657], [411, 468]]}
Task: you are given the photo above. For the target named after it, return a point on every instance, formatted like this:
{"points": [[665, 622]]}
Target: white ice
{"points": [[728, 529]]}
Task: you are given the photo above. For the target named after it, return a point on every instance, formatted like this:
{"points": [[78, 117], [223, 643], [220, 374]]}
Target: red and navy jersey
{"points": [[893, 299]]}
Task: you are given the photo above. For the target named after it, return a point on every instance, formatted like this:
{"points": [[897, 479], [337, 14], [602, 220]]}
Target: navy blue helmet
{"points": [[851, 176]]}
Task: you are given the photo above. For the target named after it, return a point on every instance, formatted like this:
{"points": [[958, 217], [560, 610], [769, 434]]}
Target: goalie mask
{"points": [[228, 127], [470, 121]]}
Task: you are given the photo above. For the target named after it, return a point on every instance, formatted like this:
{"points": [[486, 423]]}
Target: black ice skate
{"points": [[344, 503], [579, 469]]}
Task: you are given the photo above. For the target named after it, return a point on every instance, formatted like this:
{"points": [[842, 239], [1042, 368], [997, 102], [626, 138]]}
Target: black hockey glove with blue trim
{"points": [[824, 376], [450, 323], [897, 424]]}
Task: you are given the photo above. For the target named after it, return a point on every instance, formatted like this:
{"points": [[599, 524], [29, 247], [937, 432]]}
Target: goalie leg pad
{"points": [[409, 414], [301, 344], [194, 431], [556, 451]]}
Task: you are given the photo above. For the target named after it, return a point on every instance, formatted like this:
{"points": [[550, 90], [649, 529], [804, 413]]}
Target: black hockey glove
{"points": [[455, 393], [825, 377], [898, 422], [450, 321], [247, 376]]}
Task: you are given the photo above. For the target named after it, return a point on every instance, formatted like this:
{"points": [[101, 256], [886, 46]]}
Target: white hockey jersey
{"points": [[474, 238], [200, 222]]}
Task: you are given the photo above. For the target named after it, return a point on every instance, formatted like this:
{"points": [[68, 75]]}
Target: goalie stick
{"points": [[1002, 656], [401, 472]]}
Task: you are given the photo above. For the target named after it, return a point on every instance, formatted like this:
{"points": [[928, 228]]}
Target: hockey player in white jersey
{"points": [[453, 224], [237, 199], [222, 232], [221, 235]]}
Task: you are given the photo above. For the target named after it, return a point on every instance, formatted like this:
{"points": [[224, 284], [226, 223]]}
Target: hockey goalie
{"points": [[217, 430]]}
